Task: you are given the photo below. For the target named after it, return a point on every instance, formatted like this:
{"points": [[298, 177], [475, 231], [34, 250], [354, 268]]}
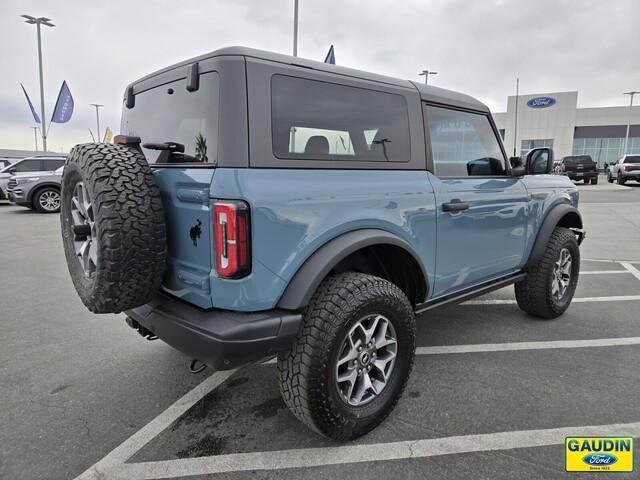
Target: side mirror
{"points": [[539, 161], [517, 166], [12, 170]]}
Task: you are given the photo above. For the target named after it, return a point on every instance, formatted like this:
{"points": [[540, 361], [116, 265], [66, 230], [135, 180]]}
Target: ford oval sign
{"points": [[600, 459], [541, 102]]}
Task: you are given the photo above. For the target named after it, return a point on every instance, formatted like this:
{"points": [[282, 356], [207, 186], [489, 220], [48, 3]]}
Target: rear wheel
{"points": [[47, 200], [609, 177], [548, 288], [594, 181], [350, 362], [620, 179]]}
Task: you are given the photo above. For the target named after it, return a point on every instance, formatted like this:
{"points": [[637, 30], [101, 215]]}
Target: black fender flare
{"points": [[550, 222], [306, 280]]}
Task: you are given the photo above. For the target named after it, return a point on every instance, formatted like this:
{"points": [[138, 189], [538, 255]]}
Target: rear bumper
{"points": [[221, 339], [582, 175]]}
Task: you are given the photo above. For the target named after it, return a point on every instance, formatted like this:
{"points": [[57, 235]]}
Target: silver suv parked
{"points": [[36, 190], [29, 164]]}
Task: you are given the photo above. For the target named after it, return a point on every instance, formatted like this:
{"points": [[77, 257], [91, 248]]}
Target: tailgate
{"points": [[185, 197]]}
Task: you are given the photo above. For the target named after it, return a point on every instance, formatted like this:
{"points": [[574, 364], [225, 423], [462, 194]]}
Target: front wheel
{"points": [[594, 181], [550, 284], [350, 362], [47, 200]]}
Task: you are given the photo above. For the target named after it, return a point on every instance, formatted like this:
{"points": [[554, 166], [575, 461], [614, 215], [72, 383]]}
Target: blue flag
{"points": [[64, 105], [33, 110], [331, 57]]}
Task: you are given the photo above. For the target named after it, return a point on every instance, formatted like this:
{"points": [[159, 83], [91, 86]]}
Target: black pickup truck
{"points": [[580, 167]]}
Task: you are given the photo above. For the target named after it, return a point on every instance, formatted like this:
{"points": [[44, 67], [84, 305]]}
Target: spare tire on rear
{"points": [[113, 227]]}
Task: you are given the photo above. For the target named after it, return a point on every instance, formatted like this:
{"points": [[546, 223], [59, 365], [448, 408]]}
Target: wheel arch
{"points": [[33, 193], [562, 215], [372, 250]]}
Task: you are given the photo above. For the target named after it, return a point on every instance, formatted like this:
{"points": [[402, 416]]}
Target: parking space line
{"points": [[514, 346], [156, 426], [631, 269], [316, 457], [605, 272], [615, 298]]}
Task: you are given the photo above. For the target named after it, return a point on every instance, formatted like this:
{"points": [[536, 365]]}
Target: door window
{"points": [[463, 144], [52, 164], [28, 166]]}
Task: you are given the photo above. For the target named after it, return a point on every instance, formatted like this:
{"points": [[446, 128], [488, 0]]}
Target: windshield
{"points": [[175, 125]]}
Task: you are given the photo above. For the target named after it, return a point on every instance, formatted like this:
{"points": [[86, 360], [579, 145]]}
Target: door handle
{"points": [[455, 206]]}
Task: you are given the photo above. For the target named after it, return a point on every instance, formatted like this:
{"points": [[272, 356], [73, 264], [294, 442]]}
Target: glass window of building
{"points": [[527, 145]]}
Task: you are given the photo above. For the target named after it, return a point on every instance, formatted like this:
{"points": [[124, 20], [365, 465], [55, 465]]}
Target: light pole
{"points": [[426, 74], [97, 105], [35, 136], [295, 28], [626, 138], [37, 22]]}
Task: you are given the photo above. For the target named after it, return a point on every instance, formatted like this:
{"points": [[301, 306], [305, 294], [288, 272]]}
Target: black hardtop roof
{"points": [[427, 93]]}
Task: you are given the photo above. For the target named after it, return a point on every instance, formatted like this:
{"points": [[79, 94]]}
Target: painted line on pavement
{"points": [[631, 269], [514, 346], [619, 298], [317, 457], [156, 426], [604, 272]]}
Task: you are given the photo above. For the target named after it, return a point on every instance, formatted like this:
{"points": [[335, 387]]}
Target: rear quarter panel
{"points": [[294, 212]]}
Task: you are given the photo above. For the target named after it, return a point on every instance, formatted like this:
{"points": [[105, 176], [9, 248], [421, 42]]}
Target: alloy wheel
{"points": [[561, 274], [84, 229], [366, 360]]}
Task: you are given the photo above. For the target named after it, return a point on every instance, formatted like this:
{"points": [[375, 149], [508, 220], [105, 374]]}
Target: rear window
{"points": [[632, 159], [314, 120], [578, 159], [171, 114]]}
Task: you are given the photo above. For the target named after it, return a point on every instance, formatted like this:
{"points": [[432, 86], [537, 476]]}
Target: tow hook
{"points": [[196, 366], [144, 332]]}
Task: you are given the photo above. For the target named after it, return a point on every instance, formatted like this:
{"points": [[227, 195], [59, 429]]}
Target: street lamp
{"points": [[426, 74], [37, 22], [626, 138], [35, 136], [295, 28], [97, 105]]}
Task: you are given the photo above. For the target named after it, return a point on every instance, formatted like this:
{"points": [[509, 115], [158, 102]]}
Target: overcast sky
{"points": [[477, 47]]}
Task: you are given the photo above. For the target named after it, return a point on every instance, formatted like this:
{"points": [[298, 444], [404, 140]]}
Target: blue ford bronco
{"points": [[260, 205]]}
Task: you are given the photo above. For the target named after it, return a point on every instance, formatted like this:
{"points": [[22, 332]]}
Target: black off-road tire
{"points": [[594, 181], [129, 227], [609, 177], [307, 370], [533, 294], [620, 179]]}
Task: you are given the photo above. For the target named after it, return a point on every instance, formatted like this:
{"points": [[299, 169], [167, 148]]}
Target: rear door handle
{"points": [[454, 206]]}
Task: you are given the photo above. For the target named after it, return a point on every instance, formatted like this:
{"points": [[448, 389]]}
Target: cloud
{"points": [[477, 47]]}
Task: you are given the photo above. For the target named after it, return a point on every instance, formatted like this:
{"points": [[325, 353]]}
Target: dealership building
{"points": [[554, 120]]}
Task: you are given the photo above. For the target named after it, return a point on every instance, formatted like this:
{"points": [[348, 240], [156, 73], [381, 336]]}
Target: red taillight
{"points": [[232, 238], [627, 168]]}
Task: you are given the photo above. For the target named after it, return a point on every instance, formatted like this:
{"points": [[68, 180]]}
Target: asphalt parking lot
{"points": [[493, 393]]}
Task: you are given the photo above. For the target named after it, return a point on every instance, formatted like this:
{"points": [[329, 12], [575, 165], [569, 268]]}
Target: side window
{"points": [[314, 120], [28, 166], [463, 144], [52, 164]]}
